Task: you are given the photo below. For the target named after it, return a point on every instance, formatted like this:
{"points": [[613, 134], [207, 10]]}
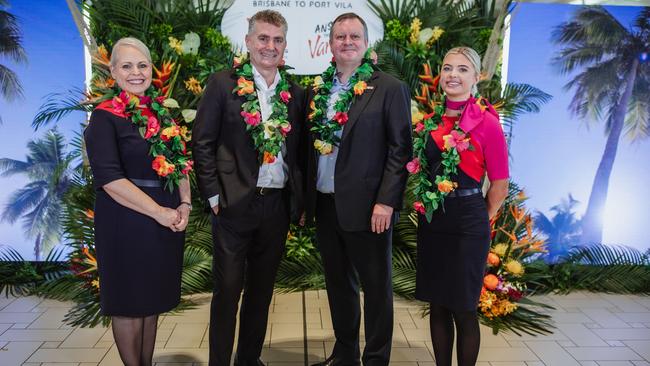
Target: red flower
{"points": [[285, 129], [189, 165], [456, 139], [144, 99], [427, 116], [419, 207], [152, 127], [268, 158], [252, 119], [413, 166], [161, 99], [341, 118], [161, 166], [285, 96], [515, 294]]}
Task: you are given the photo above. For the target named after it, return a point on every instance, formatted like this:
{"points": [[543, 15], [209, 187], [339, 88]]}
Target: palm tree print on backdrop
{"points": [[39, 204], [562, 231], [10, 49], [611, 84]]}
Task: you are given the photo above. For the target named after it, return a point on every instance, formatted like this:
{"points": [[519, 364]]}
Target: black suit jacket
{"points": [[225, 159], [375, 146]]}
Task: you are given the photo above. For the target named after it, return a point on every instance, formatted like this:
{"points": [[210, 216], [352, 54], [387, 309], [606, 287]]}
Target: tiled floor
{"points": [[592, 330]]}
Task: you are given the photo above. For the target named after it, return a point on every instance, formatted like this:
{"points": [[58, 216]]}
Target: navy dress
{"points": [[139, 260], [452, 249]]}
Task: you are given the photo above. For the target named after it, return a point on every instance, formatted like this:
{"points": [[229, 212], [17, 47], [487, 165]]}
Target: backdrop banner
{"points": [[309, 27]]}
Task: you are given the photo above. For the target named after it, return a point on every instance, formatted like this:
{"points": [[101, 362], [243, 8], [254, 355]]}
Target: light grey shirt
{"points": [[327, 163], [273, 175]]}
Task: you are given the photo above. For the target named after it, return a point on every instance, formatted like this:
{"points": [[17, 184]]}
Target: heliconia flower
{"points": [[189, 166], [285, 96], [153, 126], [323, 147], [446, 186], [419, 127], [341, 118], [161, 81], [419, 207], [456, 139], [360, 87], [245, 86], [101, 56], [413, 166], [161, 166], [252, 119], [170, 132], [268, 158], [102, 83], [428, 116], [285, 128]]}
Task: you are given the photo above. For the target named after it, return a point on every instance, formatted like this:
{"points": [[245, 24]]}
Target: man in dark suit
{"points": [[253, 194], [354, 192]]}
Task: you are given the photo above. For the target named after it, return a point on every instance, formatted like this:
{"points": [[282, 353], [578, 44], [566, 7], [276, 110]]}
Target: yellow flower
{"points": [[500, 249], [514, 267], [193, 86], [416, 117], [95, 283], [176, 45], [184, 134], [323, 147], [437, 33], [318, 82], [416, 24], [360, 87]]}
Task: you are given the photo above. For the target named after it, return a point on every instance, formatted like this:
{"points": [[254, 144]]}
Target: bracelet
{"points": [[189, 205]]}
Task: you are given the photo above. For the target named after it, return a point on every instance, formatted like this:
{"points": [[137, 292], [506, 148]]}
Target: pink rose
{"points": [[252, 119], [161, 99], [419, 207], [419, 127], [144, 99], [285, 96], [413, 166], [285, 129]]}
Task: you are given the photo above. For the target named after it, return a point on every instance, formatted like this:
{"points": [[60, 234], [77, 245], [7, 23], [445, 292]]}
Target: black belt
{"points": [[463, 192], [265, 191], [146, 182]]}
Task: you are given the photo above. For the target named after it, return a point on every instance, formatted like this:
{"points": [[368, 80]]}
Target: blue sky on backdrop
{"points": [[56, 64], [553, 153]]}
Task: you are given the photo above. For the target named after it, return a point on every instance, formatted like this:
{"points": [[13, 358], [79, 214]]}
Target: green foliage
{"points": [[19, 277], [300, 242], [598, 268]]}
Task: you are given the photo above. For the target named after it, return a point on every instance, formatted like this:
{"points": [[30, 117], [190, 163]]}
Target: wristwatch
{"points": [[189, 205]]}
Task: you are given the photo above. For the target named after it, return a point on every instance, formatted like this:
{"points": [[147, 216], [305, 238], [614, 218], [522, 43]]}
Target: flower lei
{"points": [[325, 129], [168, 141], [428, 200], [268, 136]]}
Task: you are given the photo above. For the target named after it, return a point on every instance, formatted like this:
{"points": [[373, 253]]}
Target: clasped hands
{"points": [[175, 219]]}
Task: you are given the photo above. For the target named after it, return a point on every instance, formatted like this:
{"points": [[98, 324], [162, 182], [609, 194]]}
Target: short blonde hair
{"points": [[130, 42], [473, 58]]}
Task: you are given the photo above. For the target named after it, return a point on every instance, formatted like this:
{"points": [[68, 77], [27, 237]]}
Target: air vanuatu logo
{"points": [[308, 50]]}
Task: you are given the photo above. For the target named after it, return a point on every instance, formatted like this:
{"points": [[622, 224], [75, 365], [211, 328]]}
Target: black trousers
{"points": [[247, 252], [350, 258]]}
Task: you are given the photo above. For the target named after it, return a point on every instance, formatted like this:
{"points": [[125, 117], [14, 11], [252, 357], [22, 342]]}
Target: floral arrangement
{"points": [[325, 128], [268, 136]]}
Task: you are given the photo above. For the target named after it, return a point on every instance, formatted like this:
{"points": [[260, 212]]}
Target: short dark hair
{"points": [[346, 16], [268, 16]]}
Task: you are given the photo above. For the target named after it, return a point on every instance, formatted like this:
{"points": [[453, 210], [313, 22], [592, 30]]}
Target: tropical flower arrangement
{"points": [[268, 136], [325, 128]]}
